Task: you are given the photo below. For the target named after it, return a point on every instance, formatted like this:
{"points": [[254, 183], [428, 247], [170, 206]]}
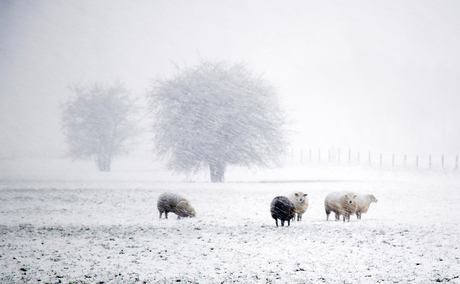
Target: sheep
{"points": [[170, 202], [282, 208], [341, 203], [364, 201], [301, 203]]}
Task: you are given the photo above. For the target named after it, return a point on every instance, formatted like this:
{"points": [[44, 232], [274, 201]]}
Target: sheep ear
{"points": [[305, 194], [296, 194], [354, 196]]}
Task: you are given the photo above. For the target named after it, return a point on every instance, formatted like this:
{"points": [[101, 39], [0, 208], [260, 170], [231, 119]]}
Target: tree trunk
{"points": [[217, 171], [103, 161]]}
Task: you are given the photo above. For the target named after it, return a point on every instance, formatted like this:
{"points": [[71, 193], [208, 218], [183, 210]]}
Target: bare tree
{"points": [[214, 115], [98, 122]]}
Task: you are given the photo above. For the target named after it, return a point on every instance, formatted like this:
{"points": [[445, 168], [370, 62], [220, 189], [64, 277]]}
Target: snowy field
{"points": [[64, 222]]}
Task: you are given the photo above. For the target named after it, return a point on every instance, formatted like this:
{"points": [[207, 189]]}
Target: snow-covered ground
{"points": [[65, 222]]}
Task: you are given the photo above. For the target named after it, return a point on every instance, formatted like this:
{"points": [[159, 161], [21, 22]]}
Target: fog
{"points": [[367, 75]]}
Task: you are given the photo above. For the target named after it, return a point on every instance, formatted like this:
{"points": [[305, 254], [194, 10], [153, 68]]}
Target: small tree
{"points": [[214, 115], [98, 122]]}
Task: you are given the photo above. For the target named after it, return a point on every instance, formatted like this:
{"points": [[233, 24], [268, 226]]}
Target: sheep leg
{"points": [[299, 216], [161, 213], [166, 214], [337, 216], [282, 223], [276, 220]]}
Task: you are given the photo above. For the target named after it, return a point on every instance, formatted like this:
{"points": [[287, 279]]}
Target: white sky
{"points": [[367, 75]]}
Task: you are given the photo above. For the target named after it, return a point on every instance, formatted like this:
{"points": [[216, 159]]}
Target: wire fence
{"points": [[339, 157], [348, 157]]}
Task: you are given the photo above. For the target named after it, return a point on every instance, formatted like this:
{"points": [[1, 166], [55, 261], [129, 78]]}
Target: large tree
{"points": [[97, 122], [216, 114]]}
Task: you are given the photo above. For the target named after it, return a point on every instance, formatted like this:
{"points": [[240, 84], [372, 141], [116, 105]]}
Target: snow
{"points": [[63, 221]]}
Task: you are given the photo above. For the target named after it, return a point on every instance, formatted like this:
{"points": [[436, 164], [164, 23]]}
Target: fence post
{"points": [[349, 156], [456, 163], [416, 162], [310, 155], [338, 158], [429, 165], [404, 164], [393, 161], [380, 160], [301, 156], [319, 156], [369, 158], [359, 162], [442, 161]]}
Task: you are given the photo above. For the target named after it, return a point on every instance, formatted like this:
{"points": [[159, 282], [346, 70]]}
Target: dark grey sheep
{"points": [[282, 208]]}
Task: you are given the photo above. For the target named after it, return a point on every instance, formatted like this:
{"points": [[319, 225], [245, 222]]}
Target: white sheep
{"points": [[170, 202], [341, 203], [364, 201], [300, 200]]}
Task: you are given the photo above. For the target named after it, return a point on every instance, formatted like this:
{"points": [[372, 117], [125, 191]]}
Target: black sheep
{"points": [[282, 208]]}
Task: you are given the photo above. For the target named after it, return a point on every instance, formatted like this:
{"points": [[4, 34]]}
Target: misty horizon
{"points": [[367, 76]]}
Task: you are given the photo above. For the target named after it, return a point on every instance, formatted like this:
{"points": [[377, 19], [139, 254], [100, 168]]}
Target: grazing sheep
{"points": [[341, 203], [364, 201], [301, 203], [282, 208], [170, 202]]}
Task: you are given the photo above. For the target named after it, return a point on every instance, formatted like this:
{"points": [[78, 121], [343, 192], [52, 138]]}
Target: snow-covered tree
{"points": [[214, 115], [98, 122]]}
